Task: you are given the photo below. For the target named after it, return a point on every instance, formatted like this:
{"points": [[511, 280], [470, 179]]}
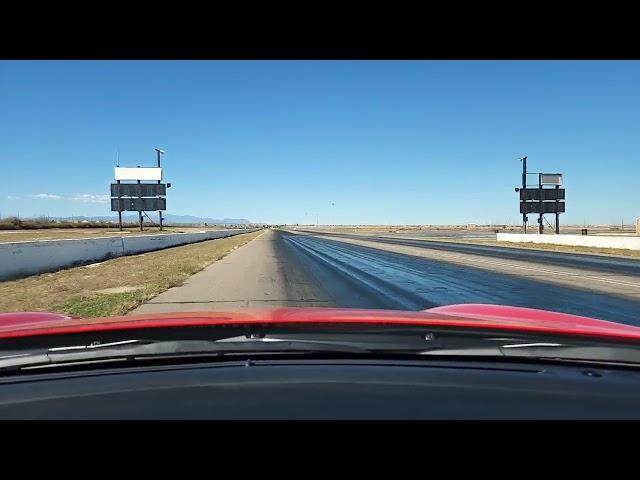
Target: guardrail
{"points": [[22, 259]]}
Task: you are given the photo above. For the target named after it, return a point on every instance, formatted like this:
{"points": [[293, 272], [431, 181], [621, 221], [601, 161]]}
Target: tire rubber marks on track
{"points": [[489, 263]]}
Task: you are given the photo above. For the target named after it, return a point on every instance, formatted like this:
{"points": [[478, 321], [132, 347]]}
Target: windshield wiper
{"points": [[540, 351], [420, 346], [139, 349]]}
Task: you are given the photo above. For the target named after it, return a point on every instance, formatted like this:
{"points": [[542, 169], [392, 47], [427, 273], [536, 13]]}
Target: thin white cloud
{"points": [[83, 197], [91, 198], [12, 197], [47, 196]]}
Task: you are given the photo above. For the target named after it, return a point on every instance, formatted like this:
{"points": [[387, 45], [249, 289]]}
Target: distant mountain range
{"points": [[168, 218]]}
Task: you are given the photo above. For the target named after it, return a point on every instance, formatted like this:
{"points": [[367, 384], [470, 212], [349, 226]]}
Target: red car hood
{"points": [[476, 316]]}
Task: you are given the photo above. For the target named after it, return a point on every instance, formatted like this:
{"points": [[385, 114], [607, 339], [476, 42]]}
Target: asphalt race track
{"points": [[592, 262], [282, 268]]}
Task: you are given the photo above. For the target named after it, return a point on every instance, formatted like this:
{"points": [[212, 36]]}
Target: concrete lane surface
{"points": [[259, 274], [298, 269]]}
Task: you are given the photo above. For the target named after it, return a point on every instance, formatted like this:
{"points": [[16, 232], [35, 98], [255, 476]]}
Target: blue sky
{"points": [[346, 141]]}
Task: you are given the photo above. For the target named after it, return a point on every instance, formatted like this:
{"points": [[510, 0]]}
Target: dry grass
{"points": [[115, 286], [65, 233], [15, 223], [611, 252], [42, 223]]}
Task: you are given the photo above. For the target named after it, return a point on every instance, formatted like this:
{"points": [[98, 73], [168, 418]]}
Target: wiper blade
{"points": [[592, 353], [92, 346], [132, 351], [548, 352], [534, 349]]}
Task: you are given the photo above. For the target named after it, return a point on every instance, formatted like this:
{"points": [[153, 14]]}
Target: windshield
{"points": [[153, 187]]}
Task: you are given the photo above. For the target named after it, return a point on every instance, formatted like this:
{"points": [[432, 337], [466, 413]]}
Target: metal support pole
{"points": [[540, 218], [119, 211], [140, 212], [557, 213], [524, 186], [159, 211]]}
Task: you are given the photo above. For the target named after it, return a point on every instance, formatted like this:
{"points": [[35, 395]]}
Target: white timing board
{"points": [[138, 173], [551, 178]]}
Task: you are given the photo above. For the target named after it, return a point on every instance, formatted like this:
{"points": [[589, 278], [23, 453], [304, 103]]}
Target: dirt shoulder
{"points": [[115, 286]]}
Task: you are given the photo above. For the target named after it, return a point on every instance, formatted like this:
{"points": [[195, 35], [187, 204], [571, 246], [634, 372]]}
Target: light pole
{"points": [[524, 187], [159, 152]]}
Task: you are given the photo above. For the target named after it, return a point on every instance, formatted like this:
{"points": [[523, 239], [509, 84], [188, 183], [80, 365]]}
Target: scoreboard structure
{"points": [[137, 196], [545, 197]]}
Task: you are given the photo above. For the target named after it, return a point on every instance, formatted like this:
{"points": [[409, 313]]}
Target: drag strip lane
{"points": [[602, 263], [402, 280]]}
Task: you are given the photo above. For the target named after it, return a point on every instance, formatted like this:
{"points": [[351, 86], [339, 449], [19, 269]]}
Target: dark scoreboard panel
{"points": [[138, 204], [138, 189], [545, 193], [541, 207]]}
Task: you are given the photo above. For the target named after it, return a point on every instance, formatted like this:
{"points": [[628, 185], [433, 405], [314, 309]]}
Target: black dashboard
{"points": [[326, 389]]}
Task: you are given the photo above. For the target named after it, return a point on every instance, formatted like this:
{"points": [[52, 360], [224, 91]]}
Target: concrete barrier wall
{"points": [[600, 241], [21, 259]]}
